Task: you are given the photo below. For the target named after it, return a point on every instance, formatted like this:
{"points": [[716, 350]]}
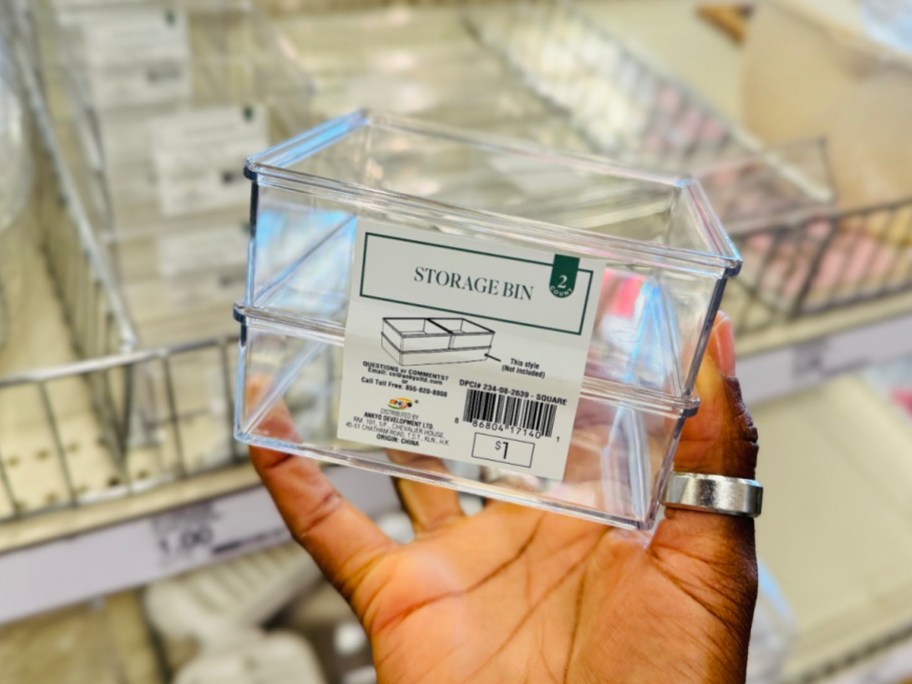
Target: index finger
{"points": [[343, 541]]}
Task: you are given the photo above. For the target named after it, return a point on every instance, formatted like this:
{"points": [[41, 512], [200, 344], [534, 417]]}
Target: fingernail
{"points": [[722, 348]]}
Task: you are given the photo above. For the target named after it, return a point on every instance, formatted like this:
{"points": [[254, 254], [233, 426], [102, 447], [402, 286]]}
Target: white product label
{"points": [[134, 55], [199, 157], [124, 142], [133, 35], [465, 352], [209, 249], [140, 84]]}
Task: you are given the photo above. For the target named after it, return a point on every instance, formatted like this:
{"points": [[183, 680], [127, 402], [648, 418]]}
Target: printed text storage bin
{"points": [[534, 319]]}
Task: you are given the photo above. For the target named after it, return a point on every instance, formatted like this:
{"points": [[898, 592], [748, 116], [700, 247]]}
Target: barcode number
{"points": [[494, 407]]}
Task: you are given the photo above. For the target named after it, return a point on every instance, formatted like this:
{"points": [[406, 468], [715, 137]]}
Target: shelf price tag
{"points": [[769, 374], [195, 535], [185, 535]]}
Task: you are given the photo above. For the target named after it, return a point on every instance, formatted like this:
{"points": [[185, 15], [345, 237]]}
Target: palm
{"points": [[480, 596], [515, 594], [508, 591]]}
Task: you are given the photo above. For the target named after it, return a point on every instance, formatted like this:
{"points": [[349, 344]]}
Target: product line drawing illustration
{"points": [[430, 341]]}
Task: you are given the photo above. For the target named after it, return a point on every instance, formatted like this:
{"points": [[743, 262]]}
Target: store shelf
{"points": [[97, 486], [834, 459], [836, 530], [791, 357], [61, 558]]}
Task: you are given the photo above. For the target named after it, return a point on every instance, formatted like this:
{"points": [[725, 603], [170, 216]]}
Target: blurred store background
{"points": [[135, 543]]}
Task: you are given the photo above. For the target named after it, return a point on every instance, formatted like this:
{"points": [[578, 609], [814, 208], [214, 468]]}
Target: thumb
{"points": [[714, 554], [721, 439]]}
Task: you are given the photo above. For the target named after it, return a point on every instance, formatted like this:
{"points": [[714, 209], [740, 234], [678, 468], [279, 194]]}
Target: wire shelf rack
{"points": [[126, 416], [802, 255]]}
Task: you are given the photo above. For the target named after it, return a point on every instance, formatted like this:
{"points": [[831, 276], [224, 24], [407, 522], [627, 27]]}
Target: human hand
{"points": [[515, 593]]}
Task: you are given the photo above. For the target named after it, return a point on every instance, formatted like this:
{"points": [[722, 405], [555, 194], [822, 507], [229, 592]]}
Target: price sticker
{"points": [[195, 535], [185, 536]]}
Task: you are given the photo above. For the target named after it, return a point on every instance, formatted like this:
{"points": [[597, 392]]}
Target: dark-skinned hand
{"points": [[515, 594]]}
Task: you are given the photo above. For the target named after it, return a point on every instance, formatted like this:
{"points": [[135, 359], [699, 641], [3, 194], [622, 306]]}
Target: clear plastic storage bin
{"points": [[166, 99], [338, 213]]}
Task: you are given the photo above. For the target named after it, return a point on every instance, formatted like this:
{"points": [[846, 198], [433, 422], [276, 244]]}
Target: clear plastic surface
{"points": [[159, 133], [544, 70], [664, 258]]}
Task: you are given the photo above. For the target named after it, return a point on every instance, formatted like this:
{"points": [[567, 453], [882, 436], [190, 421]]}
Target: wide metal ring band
{"points": [[714, 494]]}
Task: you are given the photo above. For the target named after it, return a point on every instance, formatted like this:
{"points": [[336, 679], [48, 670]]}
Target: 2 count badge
{"points": [[563, 275]]}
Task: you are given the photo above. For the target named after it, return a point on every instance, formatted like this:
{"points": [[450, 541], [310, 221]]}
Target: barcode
{"points": [[493, 407]]}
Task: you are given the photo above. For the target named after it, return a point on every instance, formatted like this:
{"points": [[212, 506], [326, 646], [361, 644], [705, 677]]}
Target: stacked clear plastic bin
{"points": [[119, 382], [666, 262], [168, 99]]}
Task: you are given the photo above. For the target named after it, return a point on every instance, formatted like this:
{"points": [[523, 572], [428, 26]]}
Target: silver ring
{"points": [[714, 494]]}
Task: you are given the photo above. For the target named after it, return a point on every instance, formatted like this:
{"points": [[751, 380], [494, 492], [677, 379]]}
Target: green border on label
{"points": [[368, 235]]}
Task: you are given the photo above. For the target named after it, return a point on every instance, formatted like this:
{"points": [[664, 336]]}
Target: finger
{"points": [[343, 541], [720, 439], [712, 557], [428, 507]]}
